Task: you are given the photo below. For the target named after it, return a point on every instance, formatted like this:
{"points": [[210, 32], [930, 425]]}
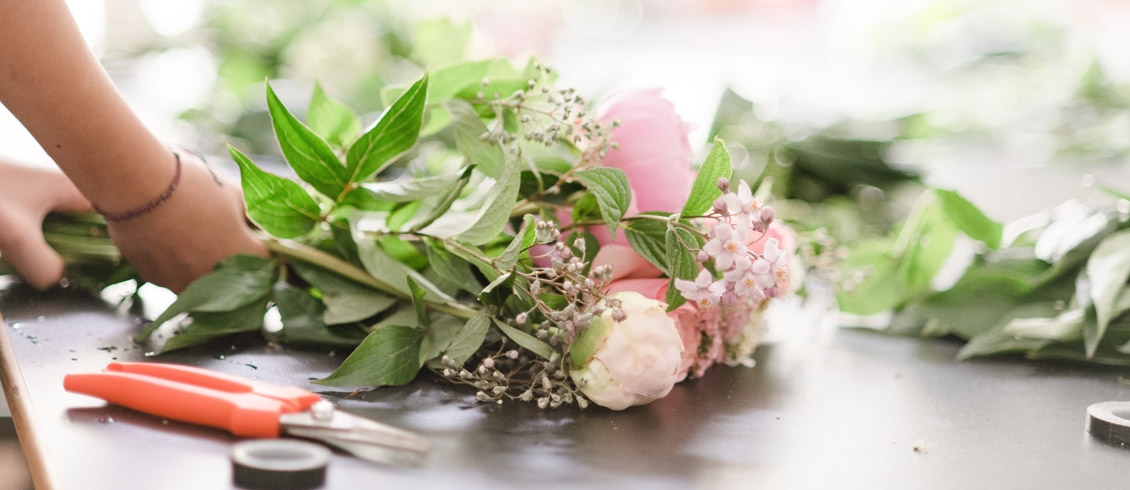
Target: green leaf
{"points": [[927, 242], [306, 152], [613, 194], [497, 282], [1065, 327], [473, 256], [440, 209], [302, 318], [332, 120], [522, 240], [969, 219], [648, 238], [590, 341], [438, 335], [1108, 269], [492, 217], [881, 287], [208, 326], [705, 189], [394, 133], [394, 273], [404, 190], [682, 262], [418, 295], [525, 340], [976, 304], [469, 338], [389, 356], [279, 206], [451, 79], [238, 281], [586, 209], [673, 298], [487, 155], [345, 301], [452, 268]]}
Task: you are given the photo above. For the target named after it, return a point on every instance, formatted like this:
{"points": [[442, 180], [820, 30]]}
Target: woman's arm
{"points": [[53, 84]]}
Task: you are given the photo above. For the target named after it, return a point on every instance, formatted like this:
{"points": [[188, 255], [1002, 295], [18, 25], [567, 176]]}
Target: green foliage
{"points": [[705, 189], [886, 273], [682, 263], [612, 192], [306, 152], [237, 282], [648, 238], [416, 249], [387, 357], [394, 133], [525, 340], [1059, 294], [332, 120], [280, 206]]}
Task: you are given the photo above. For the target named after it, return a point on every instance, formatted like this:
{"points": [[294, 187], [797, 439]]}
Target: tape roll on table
{"points": [[279, 464], [1110, 421]]}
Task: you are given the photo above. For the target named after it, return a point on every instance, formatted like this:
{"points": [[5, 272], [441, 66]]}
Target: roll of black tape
{"points": [[1110, 421], [279, 464]]}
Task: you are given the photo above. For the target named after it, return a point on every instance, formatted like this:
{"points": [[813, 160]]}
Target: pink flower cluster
{"points": [[749, 248], [746, 275]]}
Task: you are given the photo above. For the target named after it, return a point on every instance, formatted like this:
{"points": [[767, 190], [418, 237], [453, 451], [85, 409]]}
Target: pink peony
{"points": [[655, 153], [652, 148]]}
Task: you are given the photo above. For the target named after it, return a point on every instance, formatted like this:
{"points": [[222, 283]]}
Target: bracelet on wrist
{"points": [[149, 206]]}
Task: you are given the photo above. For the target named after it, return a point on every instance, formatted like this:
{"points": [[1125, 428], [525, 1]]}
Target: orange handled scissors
{"points": [[242, 406]]}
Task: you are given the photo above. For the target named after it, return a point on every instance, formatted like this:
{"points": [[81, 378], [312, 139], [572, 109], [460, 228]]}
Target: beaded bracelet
{"points": [[149, 206]]}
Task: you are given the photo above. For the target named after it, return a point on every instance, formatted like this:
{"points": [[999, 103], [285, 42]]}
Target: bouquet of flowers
{"points": [[502, 233]]}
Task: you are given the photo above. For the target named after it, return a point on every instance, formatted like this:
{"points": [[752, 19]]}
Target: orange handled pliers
{"points": [[242, 406]]}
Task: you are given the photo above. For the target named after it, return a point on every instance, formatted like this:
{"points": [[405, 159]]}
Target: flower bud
{"points": [[631, 361], [723, 184]]}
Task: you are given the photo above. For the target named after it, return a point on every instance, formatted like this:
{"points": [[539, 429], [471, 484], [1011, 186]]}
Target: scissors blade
{"points": [[346, 428]]}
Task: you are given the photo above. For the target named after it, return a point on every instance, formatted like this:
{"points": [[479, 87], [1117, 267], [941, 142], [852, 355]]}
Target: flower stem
{"points": [[313, 256]]}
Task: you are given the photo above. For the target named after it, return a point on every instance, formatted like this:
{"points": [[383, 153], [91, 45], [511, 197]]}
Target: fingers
{"points": [[23, 247]]}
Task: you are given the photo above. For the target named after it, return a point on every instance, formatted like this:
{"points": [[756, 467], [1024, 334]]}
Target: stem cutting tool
{"points": [[244, 407]]}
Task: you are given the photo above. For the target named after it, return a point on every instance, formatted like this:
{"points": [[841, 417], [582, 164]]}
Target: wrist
{"points": [[148, 206]]}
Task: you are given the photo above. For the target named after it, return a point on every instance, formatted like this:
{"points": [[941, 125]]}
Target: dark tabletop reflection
{"points": [[825, 408]]}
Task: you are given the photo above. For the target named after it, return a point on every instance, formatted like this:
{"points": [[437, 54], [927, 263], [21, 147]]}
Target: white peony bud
{"points": [[618, 364]]}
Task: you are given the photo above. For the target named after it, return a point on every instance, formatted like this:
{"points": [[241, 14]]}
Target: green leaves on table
{"points": [[886, 273], [1058, 291], [230, 299]]}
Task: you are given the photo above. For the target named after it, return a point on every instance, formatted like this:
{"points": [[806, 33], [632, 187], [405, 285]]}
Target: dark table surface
{"points": [[826, 408]]}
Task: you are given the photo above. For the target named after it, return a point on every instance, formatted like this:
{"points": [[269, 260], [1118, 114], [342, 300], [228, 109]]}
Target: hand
{"points": [[26, 196], [184, 238]]}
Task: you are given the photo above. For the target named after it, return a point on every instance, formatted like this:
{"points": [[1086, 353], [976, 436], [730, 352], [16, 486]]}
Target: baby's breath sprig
{"points": [[573, 285], [563, 297], [505, 373], [549, 116]]}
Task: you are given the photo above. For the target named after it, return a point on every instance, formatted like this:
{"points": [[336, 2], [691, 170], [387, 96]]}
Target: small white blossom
{"points": [[726, 244], [704, 290]]}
